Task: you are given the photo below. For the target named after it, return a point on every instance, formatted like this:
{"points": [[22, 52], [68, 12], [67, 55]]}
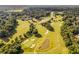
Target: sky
{"points": [[26, 6]]}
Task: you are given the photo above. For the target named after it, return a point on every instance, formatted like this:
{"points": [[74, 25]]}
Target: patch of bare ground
{"points": [[45, 44]]}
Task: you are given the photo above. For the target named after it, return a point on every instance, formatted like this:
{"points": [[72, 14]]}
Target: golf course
{"points": [[50, 42], [39, 30]]}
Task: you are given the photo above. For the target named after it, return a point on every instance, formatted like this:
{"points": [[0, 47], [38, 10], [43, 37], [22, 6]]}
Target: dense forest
{"points": [[8, 24], [70, 30]]}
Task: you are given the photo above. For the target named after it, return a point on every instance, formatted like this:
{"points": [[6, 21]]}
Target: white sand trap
{"points": [[32, 39], [33, 45], [25, 41], [47, 32]]}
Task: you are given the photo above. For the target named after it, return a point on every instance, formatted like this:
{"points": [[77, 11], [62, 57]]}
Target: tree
{"points": [[25, 35], [1, 44], [38, 35], [69, 30], [7, 26], [13, 48], [48, 26]]}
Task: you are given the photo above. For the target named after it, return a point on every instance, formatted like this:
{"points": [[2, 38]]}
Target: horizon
{"points": [[34, 6]]}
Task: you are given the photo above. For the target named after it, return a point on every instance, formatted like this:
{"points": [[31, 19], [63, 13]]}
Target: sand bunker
{"points": [[45, 44]]}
